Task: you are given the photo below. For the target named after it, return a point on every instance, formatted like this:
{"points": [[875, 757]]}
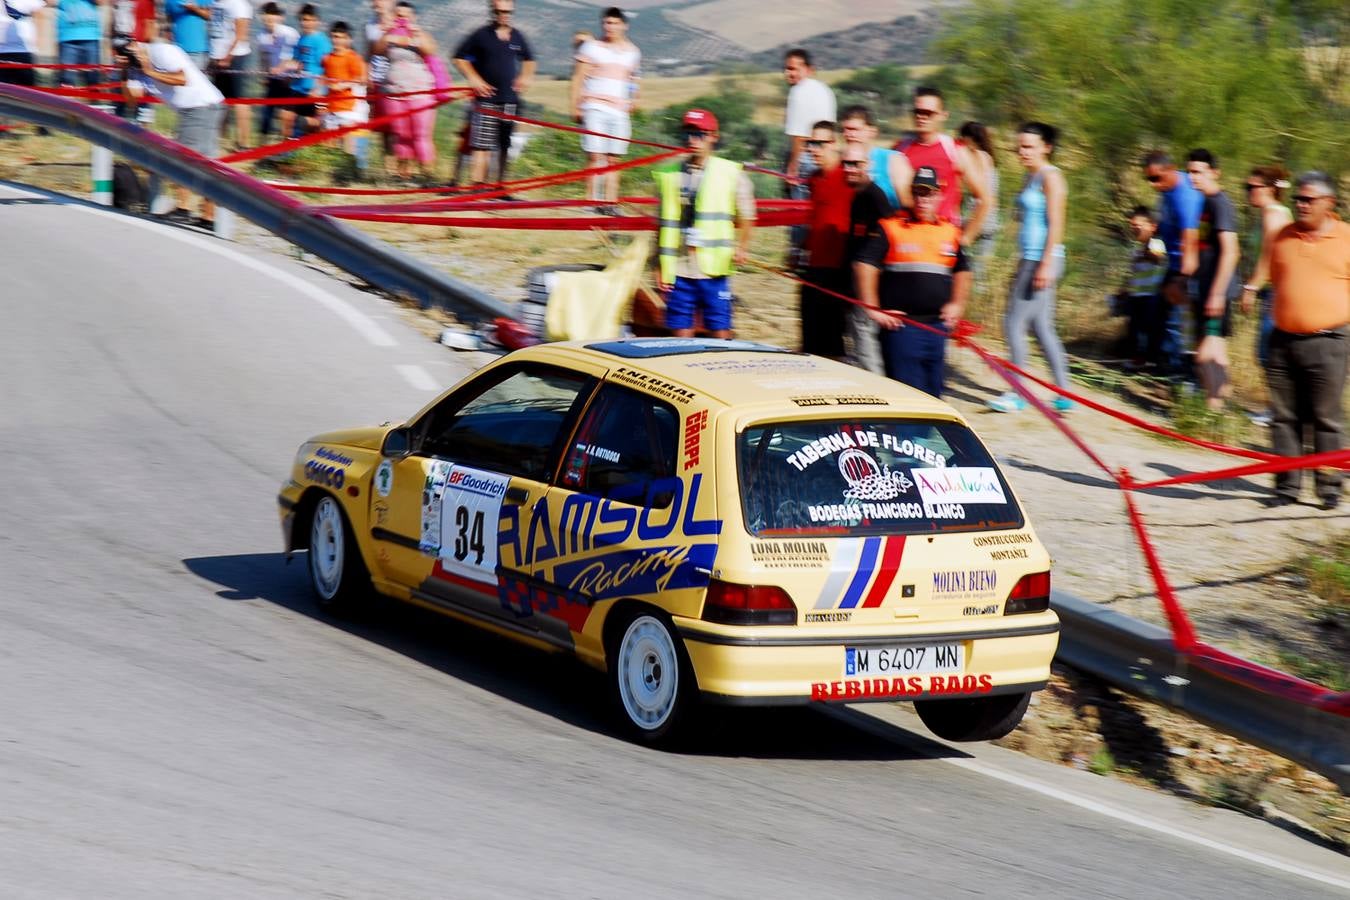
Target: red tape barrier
{"points": [[1279, 684], [575, 130], [500, 190], [607, 223], [321, 136]]}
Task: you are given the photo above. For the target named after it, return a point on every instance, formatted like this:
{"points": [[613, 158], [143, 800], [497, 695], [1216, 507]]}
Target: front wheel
{"points": [[651, 679], [336, 571], [973, 718]]}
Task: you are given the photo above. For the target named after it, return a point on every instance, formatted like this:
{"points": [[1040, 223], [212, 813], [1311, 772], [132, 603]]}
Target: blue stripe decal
{"points": [[841, 567], [865, 570]]}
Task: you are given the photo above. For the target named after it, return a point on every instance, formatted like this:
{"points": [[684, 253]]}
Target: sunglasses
{"points": [[1154, 179], [815, 143], [1256, 187], [691, 134], [1304, 199], [923, 113], [853, 164], [502, 12]]}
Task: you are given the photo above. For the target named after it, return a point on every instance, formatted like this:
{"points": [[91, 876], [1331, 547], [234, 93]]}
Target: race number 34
{"points": [[470, 507], [469, 537]]}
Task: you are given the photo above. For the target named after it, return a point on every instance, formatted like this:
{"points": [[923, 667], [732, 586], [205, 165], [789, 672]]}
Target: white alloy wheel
{"points": [[327, 549], [648, 673]]}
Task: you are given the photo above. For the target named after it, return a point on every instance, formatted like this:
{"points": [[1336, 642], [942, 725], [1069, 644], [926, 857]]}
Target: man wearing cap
{"points": [[707, 215], [914, 267]]}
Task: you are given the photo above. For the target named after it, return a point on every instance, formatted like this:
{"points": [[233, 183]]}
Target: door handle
{"points": [[517, 495]]}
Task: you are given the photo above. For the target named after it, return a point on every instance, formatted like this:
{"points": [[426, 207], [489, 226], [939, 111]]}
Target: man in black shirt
{"points": [[870, 205], [1215, 285], [497, 62]]}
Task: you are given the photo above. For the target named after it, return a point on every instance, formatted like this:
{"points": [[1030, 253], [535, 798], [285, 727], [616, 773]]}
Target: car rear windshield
{"points": [[871, 476]]}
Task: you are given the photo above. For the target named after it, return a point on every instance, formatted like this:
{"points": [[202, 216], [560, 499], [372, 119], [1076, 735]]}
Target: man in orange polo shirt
{"points": [[1310, 272]]}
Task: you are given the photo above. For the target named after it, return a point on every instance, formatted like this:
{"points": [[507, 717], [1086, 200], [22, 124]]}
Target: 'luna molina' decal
{"points": [[586, 522]]}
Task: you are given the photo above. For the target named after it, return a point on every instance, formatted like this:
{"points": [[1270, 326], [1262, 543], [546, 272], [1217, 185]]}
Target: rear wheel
{"points": [[337, 573], [650, 678], [973, 718]]}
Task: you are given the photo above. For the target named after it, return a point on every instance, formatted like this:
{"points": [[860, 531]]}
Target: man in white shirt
{"points": [[809, 101], [18, 40], [230, 50], [163, 70], [604, 94]]}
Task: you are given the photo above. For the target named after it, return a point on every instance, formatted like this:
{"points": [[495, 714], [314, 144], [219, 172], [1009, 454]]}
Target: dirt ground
{"points": [[1227, 556]]}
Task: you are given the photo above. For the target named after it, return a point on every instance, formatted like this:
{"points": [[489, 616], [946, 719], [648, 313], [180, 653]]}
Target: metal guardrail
{"points": [[1141, 659], [363, 256]]}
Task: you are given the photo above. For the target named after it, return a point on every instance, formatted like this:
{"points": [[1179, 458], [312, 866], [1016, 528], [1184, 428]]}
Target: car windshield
{"points": [[871, 476]]}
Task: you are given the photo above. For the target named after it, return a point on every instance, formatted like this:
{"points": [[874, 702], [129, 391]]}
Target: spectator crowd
{"points": [[898, 232]]}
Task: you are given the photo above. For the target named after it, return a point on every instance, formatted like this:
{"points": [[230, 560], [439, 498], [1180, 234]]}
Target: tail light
{"points": [[744, 604], [1030, 594]]}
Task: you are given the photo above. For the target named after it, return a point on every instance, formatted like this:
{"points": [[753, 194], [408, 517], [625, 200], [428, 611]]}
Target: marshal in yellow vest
{"points": [[714, 217]]}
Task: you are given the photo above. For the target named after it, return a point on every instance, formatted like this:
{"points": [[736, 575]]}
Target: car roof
{"points": [[743, 373]]}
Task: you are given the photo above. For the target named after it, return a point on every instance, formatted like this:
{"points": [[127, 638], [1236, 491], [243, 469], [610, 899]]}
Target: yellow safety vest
{"points": [[714, 218]]}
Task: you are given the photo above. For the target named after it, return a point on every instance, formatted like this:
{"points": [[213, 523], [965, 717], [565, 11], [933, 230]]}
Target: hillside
{"points": [[691, 37]]}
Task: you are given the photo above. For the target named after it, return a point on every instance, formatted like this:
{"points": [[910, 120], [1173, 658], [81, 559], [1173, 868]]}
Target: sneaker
{"points": [[1260, 420], [1062, 404], [179, 216], [1007, 403]]}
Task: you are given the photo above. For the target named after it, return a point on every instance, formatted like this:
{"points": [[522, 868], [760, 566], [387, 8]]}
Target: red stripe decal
{"points": [[438, 572], [890, 564]]}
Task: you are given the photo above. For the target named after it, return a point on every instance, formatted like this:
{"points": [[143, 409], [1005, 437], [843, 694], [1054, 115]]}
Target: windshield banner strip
{"points": [[843, 566], [890, 565], [864, 573]]}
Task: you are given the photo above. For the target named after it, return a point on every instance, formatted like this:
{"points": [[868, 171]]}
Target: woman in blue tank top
{"points": [[1041, 206]]}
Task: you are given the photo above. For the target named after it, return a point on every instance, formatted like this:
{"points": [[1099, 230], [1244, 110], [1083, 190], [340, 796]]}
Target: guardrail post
{"points": [[224, 227], [101, 169]]}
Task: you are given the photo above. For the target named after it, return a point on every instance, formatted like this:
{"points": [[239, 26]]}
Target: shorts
{"points": [[282, 88], [711, 296], [1205, 326], [20, 77], [199, 129], [354, 116], [610, 121], [232, 82], [490, 132]]}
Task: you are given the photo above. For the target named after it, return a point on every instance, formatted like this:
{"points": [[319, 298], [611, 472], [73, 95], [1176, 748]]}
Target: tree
{"points": [[1120, 76]]}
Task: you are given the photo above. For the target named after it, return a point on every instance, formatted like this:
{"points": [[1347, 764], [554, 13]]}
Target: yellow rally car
{"points": [[697, 518]]}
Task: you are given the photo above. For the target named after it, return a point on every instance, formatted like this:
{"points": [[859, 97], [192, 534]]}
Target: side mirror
{"points": [[397, 443]]}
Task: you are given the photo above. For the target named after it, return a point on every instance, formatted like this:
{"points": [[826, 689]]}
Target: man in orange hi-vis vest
{"points": [[916, 267]]}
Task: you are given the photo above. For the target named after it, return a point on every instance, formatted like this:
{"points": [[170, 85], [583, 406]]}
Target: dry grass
{"points": [[658, 93], [765, 25]]}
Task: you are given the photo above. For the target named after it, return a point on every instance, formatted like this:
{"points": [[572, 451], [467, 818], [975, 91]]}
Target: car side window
{"points": [[627, 441], [511, 423]]}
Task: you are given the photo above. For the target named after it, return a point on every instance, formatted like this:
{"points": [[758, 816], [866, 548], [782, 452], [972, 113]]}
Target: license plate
{"points": [[911, 660]]}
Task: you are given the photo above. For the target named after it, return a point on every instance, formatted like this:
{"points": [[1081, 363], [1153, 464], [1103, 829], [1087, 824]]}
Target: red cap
{"points": [[701, 119]]}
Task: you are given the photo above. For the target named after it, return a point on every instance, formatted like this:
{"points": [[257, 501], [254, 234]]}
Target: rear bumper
{"points": [[760, 668]]}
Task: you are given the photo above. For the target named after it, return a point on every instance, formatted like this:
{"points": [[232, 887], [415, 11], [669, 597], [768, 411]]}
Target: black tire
{"points": [[337, 573], [973, 718], [651, 681]]}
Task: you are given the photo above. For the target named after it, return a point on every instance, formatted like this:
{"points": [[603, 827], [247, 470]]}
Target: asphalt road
{"points": [[177, 720]]}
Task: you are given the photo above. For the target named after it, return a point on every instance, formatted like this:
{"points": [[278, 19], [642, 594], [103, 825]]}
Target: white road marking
{"points": [[417, 377], [864, 719], [1112, 812], [364, 325]]}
